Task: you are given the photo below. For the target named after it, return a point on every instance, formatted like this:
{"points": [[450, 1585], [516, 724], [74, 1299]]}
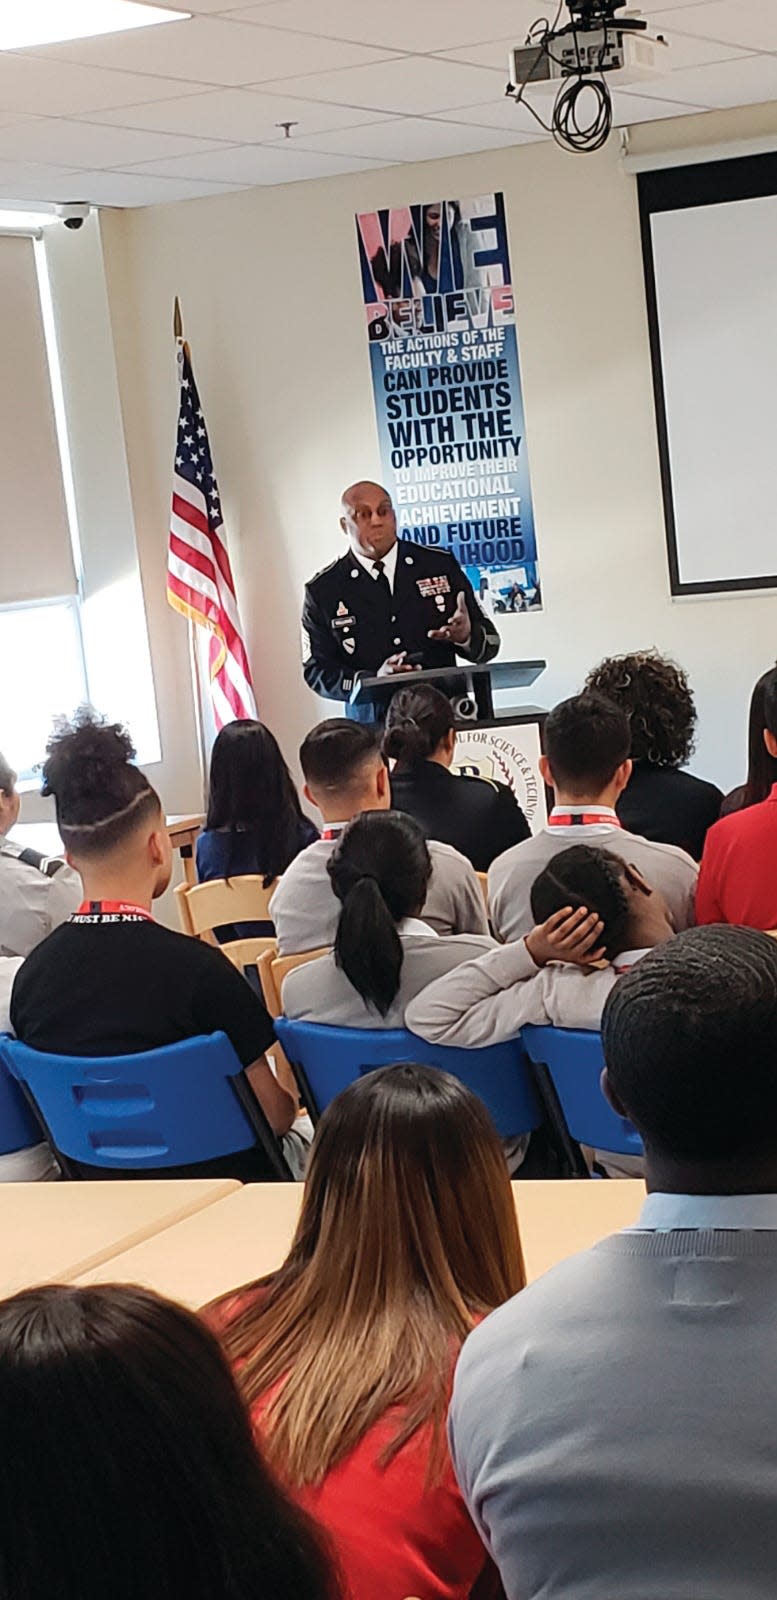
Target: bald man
{"points": [[388, 607]]}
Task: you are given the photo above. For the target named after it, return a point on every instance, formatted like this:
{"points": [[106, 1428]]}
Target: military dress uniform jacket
{"points": [[351, 625]]}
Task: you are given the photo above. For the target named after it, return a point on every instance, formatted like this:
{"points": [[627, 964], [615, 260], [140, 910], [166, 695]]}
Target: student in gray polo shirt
{"points": [[586, 762], [613, 1426], [345, 774]]}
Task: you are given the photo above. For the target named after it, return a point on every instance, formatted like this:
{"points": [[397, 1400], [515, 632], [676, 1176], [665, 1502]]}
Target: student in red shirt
{"points": [[407, 1238], [738, 873]]}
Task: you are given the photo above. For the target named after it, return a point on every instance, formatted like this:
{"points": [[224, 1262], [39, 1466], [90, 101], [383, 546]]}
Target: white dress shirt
{"points": [[389, 564]]}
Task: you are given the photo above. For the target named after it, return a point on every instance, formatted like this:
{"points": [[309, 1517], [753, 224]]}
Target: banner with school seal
{"points": [[446, 378]]}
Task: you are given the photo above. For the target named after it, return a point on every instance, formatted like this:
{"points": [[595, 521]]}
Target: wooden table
{"points": [[53, 1232], [248, 1235], [561, 1218], [183, 833]]}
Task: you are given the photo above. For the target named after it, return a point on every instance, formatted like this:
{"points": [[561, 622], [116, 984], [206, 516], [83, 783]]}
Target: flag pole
{"points": [[194, 654]]}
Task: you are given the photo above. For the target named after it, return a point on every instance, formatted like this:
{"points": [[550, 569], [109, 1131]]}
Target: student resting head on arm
{"points": [[128, 1466], [595, 916], [406, 1239], [383, 952]]}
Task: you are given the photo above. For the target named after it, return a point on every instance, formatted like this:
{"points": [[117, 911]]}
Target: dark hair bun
{"points": [[85, 757]]}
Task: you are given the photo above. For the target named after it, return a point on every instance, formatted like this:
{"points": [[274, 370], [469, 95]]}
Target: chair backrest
{"points": [[246, 952], [184, 1104], [574, 1060], [482, 878], [222, 901], [273, 969], [18, 1127], [328, 1059]]}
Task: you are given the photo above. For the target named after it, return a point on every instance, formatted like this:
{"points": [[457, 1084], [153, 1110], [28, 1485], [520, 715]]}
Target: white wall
{"points": [[270, 290]]}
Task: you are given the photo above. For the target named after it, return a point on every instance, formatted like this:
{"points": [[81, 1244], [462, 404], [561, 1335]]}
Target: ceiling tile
{"points": [[628, 108], [129, 189], [747, 81], [20, 176], [416, 85], [682, 51], [241, 116], [83, 144], [413, 139], [211, 50], [751, 24], [28, 83], [257, 164], [502, 113], [432, 25]]}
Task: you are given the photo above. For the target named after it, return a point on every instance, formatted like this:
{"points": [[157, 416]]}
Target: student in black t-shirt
{"points": [[660, 801], [112, 981]]}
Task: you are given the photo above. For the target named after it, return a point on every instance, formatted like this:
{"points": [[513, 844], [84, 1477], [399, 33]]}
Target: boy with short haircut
{"points": [[346, 774], [586, 763]]}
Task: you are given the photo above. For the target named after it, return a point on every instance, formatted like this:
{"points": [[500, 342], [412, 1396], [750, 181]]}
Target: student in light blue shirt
{"points": [[612, 1427]]}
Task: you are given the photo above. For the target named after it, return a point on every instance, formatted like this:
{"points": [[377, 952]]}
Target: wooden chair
{"points": [[205, 906], [482, 878], [273, 969]]}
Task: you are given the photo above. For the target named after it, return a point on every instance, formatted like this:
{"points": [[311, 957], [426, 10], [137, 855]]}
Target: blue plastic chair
{"points": [[574, 1061], [179, 1106], [19, 1129], [328, 1059]]}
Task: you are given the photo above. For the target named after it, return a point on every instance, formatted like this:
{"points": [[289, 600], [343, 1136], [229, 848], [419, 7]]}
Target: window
{"points": [[45, 677]]}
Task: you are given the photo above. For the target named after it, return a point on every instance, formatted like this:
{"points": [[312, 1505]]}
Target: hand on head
{"points": [[568, 935]]}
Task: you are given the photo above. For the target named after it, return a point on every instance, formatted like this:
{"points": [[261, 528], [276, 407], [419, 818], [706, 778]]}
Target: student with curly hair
{"points": [[661, 801]]}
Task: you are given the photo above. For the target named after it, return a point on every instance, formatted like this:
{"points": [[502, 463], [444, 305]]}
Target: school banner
{"points": [[510, 753], [447, 384]]}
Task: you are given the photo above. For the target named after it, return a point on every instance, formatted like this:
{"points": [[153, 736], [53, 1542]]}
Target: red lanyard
{"points": [[581, 819], [328, 834], [110, 911]]}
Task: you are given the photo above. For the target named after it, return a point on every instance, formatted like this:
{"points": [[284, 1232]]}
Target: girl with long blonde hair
{"points": [[406, 1240]]}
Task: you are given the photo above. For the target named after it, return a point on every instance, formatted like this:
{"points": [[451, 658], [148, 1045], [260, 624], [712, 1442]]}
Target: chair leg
{"points": [[568, 1148]]}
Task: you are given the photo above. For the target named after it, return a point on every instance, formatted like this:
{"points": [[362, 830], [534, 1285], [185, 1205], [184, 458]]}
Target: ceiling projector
{"points": [[599, 38]]}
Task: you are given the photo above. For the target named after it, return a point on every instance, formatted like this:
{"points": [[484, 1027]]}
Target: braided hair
{"points": [[582, 876], [690, 1041]]}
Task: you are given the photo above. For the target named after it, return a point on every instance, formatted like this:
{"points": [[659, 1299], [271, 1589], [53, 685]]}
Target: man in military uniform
{"points": [[388, 607]]}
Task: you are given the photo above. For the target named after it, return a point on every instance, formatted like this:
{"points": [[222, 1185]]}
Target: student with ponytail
{"points": [[478, 816], [112, 981], [383, 953]]}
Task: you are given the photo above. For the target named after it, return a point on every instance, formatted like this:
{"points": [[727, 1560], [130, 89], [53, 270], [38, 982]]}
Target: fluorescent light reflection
{"points": [[30, 22]]}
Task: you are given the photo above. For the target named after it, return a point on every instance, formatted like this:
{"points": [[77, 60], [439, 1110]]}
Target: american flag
{"points": [[199, 576]]}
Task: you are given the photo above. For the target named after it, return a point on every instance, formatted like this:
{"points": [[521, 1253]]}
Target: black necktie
{"points": [[381, 581]]}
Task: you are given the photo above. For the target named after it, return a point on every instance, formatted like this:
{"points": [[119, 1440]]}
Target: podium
{"points": [[504, 745], [462, 683]]}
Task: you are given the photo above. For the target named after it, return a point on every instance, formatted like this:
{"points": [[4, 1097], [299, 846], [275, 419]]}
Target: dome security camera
{"points": [[73, 213]]}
